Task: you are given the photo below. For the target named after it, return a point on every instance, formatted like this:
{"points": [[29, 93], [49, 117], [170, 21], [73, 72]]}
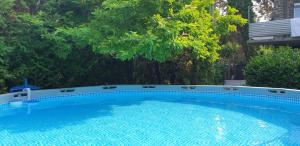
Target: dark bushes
{"points": [[275, 68]]}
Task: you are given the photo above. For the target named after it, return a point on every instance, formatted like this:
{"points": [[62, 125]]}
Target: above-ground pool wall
{"points": [[255, 94], [5, 98]]}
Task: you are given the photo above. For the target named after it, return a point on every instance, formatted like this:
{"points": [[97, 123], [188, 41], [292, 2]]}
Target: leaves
{"points": [[276, 68], [58, 43], [127, 29]]}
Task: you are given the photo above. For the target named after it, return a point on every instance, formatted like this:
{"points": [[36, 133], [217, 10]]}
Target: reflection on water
{"points": [[149, 121], [220, 129]]}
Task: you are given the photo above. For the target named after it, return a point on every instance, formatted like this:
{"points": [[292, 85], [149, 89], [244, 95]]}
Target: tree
{"points": [[158, 30], [5, 7], [57, 43], [29, 43]]}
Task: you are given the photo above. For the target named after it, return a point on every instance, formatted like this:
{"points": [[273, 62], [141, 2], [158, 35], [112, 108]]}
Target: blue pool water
{"points": [[146, 120]]}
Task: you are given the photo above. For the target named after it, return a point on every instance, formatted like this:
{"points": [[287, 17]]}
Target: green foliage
{"points": [[30, 45], [229, 50], [62, 43], [275, 68], [4, 74], [235, 51], [229, 22], [5, 7], [158, 30]]}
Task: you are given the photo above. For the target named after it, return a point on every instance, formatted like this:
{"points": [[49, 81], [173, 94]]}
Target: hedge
{"points": [[277, 68]]}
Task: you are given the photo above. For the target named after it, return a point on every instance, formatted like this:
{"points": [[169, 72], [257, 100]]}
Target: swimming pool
{"points": [[153, 115]]}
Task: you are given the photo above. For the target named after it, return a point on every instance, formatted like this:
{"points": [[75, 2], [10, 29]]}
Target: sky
{"points": [[259, 17]]}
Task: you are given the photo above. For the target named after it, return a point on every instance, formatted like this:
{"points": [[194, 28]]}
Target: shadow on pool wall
{"points": [[285, 98]]}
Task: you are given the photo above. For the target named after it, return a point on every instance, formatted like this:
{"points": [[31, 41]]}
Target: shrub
{"points": [[276, 68]]}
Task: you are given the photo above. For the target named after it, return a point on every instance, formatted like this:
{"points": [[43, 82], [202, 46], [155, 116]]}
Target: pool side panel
{"points": [[284, 97]]}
